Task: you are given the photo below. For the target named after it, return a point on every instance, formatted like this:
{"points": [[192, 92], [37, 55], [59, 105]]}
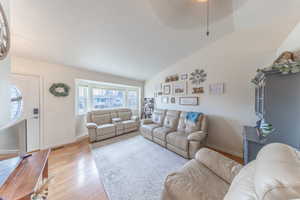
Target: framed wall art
{"points": [[167, 89], [180, 88], [188, 101], [165, 100], [184, 77], [173, 100]]}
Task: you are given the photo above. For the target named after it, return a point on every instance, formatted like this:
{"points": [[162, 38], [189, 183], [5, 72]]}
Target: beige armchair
{"points": [[274, 175]]}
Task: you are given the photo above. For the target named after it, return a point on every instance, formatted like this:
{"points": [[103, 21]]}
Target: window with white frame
{"points": [[107, 98], [82, 99], [93, 96]]}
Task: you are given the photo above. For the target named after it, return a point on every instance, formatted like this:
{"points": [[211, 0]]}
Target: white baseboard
{"points": [[238, 154], [82, 136], [15, 151]]}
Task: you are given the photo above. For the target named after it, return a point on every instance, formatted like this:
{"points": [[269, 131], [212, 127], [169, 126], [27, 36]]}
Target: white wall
{"points": [[292, 42], [4, 84], [232, 60], [58, 114]]}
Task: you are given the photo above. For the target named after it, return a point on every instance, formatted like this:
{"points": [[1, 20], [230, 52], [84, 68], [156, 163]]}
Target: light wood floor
{"points": [[76, 176]]}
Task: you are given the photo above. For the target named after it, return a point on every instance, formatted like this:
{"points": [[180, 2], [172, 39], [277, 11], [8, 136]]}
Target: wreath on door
{"points": [[60, 90]]}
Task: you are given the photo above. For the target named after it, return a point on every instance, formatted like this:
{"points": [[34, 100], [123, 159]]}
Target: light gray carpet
{"points": [[133, 168]]}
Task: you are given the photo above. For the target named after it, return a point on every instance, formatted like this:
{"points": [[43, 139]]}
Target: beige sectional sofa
{"points": [[103, 124], [274, 175], [170, 129]]}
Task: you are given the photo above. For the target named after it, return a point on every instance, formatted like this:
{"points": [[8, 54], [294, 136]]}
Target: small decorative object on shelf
{"points": [[198, 76], [172, 78], [4, 35], [60, 90], [265, 129]]}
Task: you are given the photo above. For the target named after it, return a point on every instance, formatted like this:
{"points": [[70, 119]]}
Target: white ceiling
{"points": [[131, 38]]}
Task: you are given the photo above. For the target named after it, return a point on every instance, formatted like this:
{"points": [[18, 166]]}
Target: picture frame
{"points": [[217, 88], [180, 88], [188, 101], [184, 76], [173, 100], [167, 89], [165, 100]]}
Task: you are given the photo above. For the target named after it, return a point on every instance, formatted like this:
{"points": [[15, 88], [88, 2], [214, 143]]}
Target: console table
{"points": [[252, 144], [22, 183]]}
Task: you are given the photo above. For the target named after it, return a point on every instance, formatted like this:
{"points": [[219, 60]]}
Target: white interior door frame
{"points": [[41, 104]]}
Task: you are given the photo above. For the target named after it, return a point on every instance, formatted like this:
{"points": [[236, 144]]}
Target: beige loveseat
{"points": [[274, 175], [171, 129], [103, 124]]}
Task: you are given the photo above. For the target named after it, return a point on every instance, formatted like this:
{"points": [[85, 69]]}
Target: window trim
{"points": [[91, 86]]}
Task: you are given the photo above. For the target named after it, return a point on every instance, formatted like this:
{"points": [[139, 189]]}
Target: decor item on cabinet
{"points": [[4, 35], [172, 78], [285, 57], [60, 89], [167, 88], [184, 77], [217, 88], [189, 101], [173, 100], [160, 93], [148, 108], [285, 64], [198, 76], [180, 88], [165, 100], [198, 90], [265, 129]]}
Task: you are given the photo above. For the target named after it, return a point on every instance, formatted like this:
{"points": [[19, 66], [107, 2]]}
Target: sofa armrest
{"points": [[222, 166], [197, 136], [91, 125], [135, 118], [147, 121]]}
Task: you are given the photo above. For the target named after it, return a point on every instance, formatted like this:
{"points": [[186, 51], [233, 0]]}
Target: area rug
{"points": [[133, 168]]}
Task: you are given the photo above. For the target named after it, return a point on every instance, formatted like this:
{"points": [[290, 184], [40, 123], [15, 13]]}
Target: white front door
{"points": [[29, 86]]}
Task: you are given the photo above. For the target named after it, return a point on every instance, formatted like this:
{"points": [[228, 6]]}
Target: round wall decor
{"points": [[4, 35], [60, 90]]}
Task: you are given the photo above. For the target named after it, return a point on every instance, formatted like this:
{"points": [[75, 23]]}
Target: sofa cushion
{"points": [[277, 174], [223, 166], [100, 119], [161, 133], [106, 129], [171, 119], [148, 128], [194, 182], [158, 116], [125, 115], [178, 139], [242, 187], [129, 123]]}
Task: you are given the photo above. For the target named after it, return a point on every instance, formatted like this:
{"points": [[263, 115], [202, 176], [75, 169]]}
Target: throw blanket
{"points": [[193, 116]]}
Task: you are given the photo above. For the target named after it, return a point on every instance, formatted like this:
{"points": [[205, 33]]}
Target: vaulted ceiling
{"points": [[133, 38]]}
